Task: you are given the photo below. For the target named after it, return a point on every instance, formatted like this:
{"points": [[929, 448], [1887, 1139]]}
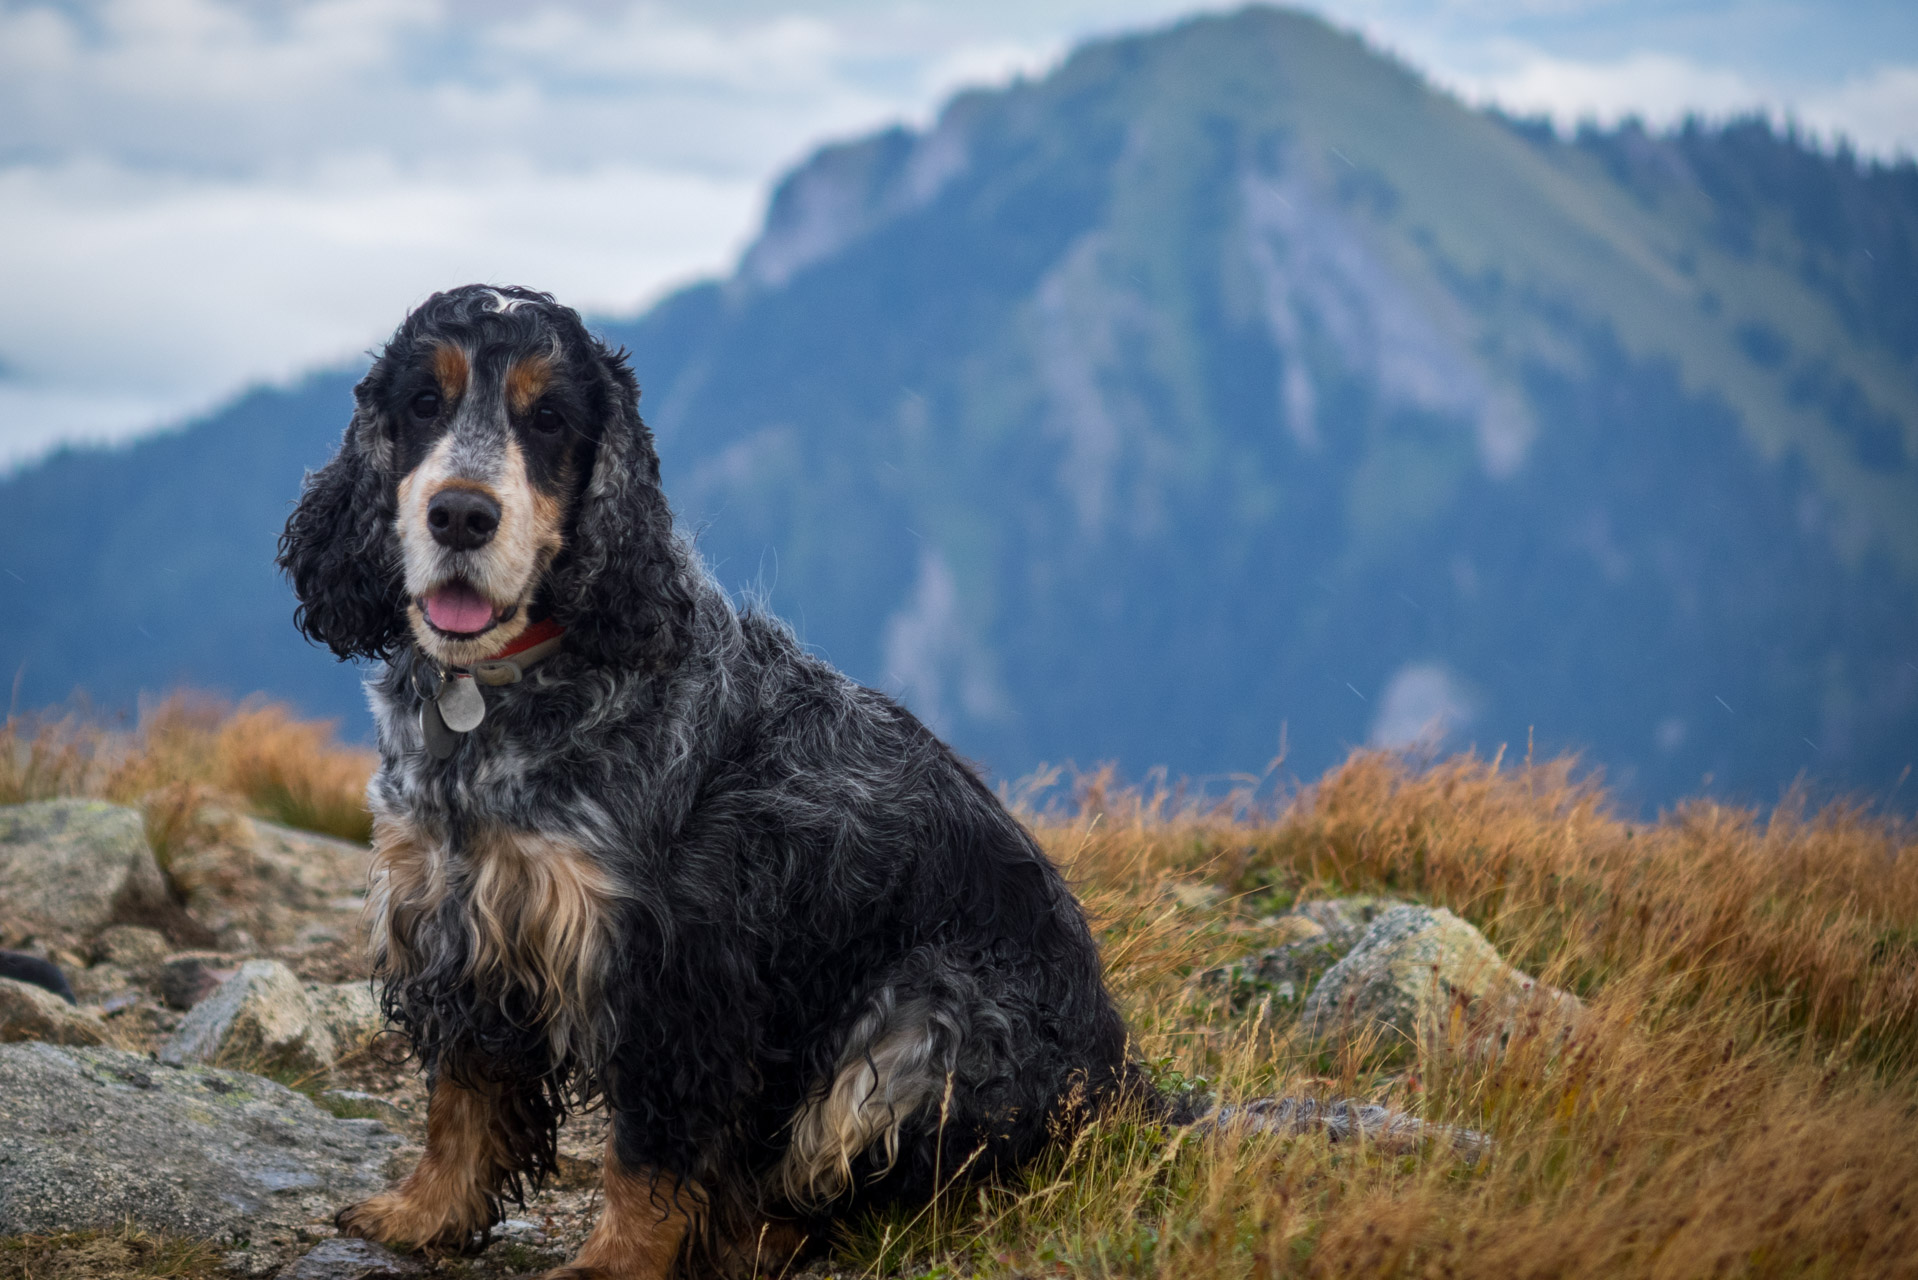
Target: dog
{"points": [[634, 847]]}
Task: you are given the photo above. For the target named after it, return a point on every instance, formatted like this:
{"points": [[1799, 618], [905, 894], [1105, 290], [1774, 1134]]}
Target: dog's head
{"points": [[496, 471]]}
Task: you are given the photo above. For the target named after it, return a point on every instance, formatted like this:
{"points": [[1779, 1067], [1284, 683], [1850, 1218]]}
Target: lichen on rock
{"points": [[1422, 970], [99, 1137], [1310, 939]]}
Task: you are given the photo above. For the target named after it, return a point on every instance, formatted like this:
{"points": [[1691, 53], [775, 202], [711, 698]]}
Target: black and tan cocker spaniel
{"points": [[636, 847]]}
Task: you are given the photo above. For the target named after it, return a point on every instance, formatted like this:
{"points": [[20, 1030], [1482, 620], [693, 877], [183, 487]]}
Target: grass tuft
{"points": [[277, 766], [125, 1254]]}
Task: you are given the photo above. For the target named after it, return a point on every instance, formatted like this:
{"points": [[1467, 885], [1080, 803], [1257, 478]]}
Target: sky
{"points": [[199, 195]]}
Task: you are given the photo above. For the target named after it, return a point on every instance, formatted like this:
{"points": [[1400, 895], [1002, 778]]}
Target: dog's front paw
{"points": [[393, 1218], [572, 1271]]}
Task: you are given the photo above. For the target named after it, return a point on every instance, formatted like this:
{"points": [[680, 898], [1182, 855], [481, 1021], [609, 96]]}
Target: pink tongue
{"points": [[458, 608]]}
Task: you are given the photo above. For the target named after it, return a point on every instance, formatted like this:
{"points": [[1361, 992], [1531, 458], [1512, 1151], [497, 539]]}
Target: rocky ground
{"points": [[222, 1077]]}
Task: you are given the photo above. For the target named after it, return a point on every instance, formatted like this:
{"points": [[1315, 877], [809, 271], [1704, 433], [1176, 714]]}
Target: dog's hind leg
{"points": [[643, 1229], [454, 1190]]}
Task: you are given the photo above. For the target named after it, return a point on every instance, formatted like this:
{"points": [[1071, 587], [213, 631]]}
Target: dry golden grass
{"points": [[126, 1254], [280, 767], [1739, 1099]]}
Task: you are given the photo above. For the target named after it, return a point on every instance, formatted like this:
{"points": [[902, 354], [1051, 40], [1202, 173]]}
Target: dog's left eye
{"points": [[547, 420], [426, 405]]}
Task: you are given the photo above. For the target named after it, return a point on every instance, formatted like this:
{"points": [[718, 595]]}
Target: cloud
{"points": [[1423, 704], [1659, 88], [217, 192], [1877, 111], [152, 294]]}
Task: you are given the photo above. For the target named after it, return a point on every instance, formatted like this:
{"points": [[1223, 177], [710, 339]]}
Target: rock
{"points": [[1312, 938], [98, 1137], [349, 1010], [1345, 1120], [1283, 973], [101, 983], [1413, 967], [75, 866], [131, 946], [36, 971], [246, 878], [1345, 919], [345, 1258], [357, 1102], [28, 1012], [260, 1017], [185, 980]]}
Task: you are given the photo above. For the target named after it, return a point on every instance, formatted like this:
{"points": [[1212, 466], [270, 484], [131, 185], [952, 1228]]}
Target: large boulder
{"points": [[76, 866], [348, 1010], [100, 1137], [1422, 970], [240, 875], [260, 1018], [28, 1012]]}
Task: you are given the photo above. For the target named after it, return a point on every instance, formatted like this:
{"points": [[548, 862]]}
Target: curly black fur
{"points": [[338, 551], [803, 868]]}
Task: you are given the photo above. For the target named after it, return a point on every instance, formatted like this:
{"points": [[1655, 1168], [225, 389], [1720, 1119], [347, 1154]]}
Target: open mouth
{"points": [[456, 609]]}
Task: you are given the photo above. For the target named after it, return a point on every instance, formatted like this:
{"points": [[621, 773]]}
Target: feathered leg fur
{"points": [[454, 1191], [644, 1228]]}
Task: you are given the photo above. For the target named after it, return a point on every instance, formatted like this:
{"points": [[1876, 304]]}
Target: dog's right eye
{"points": [[426, 405]]}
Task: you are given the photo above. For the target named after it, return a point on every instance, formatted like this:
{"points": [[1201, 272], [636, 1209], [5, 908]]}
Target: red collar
{"points": [[539, 633]]}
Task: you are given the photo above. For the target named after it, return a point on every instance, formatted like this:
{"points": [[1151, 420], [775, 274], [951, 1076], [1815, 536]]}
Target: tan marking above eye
{"points": [[451, 368], [526, 378]]}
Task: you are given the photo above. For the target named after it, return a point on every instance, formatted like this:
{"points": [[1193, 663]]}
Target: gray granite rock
{"points": [[97, 1137], [1422, 970], [260, 1017], [349, 1011], [29, 1013], [186, 979], [131, 946], [345, 1258], [244, 877], [75, 866], [1345, 920], [1346, 1120], [1311, 938]]}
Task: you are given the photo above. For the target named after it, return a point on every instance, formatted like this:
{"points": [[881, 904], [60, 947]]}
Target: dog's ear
{"points": [[622, 590], [338, 550]]}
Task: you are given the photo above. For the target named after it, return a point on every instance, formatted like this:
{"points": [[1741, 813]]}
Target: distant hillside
{"points": [[151, 565], [1228, 382]]}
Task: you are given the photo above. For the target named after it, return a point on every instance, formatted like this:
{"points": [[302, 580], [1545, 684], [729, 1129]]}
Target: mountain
{"points": [[150, 566], [1228, 387]]}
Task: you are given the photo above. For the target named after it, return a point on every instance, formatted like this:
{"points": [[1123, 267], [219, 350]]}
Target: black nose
{"points": [[462, 519]]}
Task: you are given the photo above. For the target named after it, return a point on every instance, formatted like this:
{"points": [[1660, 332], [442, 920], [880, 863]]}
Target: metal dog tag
{"points": [[461, 705], [440, 740]]}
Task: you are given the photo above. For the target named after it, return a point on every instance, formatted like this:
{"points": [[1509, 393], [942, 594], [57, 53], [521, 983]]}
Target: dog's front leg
{"points": [[642, 1229], [451, 1194]]}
